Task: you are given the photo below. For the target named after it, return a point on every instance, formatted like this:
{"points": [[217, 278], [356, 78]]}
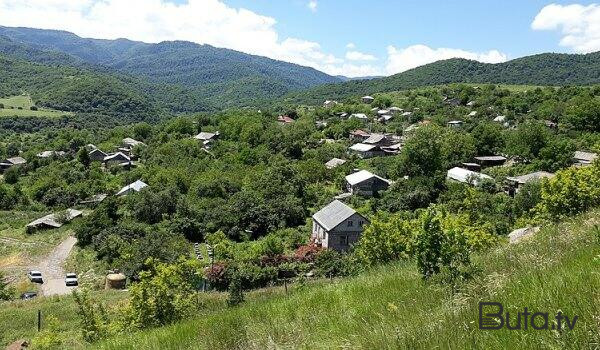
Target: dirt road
{"points": [[52, 269]]}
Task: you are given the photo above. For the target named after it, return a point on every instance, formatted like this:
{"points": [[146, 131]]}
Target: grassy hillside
{"points": [[542, 69], [21, 106], [392, 308]]}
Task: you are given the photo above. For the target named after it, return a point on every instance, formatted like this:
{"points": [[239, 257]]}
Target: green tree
{"points": [[83, 157]]}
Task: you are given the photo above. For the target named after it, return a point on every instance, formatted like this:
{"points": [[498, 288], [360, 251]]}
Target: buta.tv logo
{"points": [[492, 317]]}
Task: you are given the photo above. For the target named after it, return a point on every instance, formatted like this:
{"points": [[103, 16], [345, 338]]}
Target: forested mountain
{"points": [[542, 69], [225, 76]]}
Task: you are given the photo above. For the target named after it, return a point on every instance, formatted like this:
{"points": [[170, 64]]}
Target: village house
{"points": [[470, 103], [406, 114], [329, 104], [337, 226], [96, 155], [11, 162], [334, 163], [384, 119], [395, 110], [366, 183], [360, 116], [455, 123], [367, 99], [284, 120], [128, 143], [487, 161], [473, 114], [94, 200], [392, 149], [466, 176], [134, 187], [48, 154], [516, 182], [471, 166], [359, 135], [54, 220], [366, 151], [207, 138], [451, 101], [116, 159], [584, 158]]}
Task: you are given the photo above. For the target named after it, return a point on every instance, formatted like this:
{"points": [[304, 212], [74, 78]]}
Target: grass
{"points": [[20, 106], [18, 319], [391, 307]]}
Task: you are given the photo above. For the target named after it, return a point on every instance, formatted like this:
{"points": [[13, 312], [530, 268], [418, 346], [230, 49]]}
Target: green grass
{"points": [[19, 106], [18, 319], [392, 308]]}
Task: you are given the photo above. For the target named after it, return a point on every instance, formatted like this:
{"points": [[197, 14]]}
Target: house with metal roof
{"points": [[360, 116], [96, 155], [134, 187], [54, 220], [365, 151], [516, 182], [466, 176], [10, 162], [337, 226], [486, 161], [130, 143], [367, 99], [366, 183], [117, 158], [581, 158]]}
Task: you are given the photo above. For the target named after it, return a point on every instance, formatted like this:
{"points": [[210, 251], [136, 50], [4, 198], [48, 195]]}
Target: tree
{"points": [[11, 176], [84, 157], [489, 139], [236, 292], [421, 155]]}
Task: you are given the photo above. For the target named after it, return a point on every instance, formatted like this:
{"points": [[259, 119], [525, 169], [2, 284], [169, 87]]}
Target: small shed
{"points": [[582, 158], [487, 161], [367, 99], [366, 151]]}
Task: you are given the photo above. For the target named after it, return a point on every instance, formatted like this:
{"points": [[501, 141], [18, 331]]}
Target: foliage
{"points": [[94, 319]]}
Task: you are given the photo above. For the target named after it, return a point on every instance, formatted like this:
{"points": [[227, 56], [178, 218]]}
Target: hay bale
{"points": [[115, 281]]}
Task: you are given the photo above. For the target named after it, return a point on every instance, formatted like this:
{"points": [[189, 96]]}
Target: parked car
{"points": [[35, 276], [28, 295], [71, 279]]}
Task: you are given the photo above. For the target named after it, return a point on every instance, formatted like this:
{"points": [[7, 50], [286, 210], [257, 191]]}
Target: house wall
{"points": [[352, 232], [368, 188]]}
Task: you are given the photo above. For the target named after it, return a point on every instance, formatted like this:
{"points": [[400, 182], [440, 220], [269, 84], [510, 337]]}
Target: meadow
{"points": [[392, 308], [20, 106]]}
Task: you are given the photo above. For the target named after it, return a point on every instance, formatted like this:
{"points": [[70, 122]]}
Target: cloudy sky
{"points": [[347, 37]]}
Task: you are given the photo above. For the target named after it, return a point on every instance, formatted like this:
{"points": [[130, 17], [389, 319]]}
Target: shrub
{"points": [[6, 291], [94, 318], [236, 293]]}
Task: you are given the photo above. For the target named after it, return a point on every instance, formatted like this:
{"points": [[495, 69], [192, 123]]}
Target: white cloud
{"points": [[312, 5], [350, 46], [578, 24], [400, 60], [359, 56]]}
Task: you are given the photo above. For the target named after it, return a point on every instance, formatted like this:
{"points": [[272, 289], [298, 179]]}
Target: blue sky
{"points": [[387, 37]]}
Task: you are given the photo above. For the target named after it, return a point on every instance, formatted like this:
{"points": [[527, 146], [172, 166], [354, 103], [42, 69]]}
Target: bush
{"points": [[94, 318], [236, 293], [11, 176], [6, 291]]}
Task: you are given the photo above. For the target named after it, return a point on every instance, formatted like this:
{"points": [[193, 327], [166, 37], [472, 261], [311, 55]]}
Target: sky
{"points": [[340, 37]]}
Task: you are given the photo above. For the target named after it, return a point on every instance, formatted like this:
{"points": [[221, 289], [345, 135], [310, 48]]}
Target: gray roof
{"points": [[361, 147], [585, 156], [132, 142], [52, 219], [466, 176], [136, 186], [530, 177], [16, 160], [333, 214], [361, 176], [491, 158], [205, 136], [98, 150], [117, 156], [374, 138]]}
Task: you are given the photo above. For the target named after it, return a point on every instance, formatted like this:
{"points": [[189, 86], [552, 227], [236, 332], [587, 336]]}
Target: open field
{"points": [[555, 271], [20, 106]]}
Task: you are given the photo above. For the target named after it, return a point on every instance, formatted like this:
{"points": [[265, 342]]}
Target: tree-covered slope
{"points": [[209, 71], [542, 69]]}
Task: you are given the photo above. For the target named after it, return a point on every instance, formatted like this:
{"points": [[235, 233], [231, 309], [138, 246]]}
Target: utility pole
{"points": [[39, 320]]}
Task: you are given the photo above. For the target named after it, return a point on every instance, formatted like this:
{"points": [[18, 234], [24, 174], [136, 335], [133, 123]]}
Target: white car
{"points": [[35, 276], [71, 279]]}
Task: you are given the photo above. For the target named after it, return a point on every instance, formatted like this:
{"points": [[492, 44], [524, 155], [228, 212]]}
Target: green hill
{"points": [[392, 308], [222, 76], [542, 69]]}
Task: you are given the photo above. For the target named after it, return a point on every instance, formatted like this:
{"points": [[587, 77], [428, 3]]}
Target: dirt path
{"points": [[53, 271]]}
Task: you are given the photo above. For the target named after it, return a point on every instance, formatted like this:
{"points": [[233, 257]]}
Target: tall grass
{"points": [[391, 307]]}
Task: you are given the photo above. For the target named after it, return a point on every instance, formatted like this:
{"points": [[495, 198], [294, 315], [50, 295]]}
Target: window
{"points": [[360, 223], [350, 223], [343, 240]]}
